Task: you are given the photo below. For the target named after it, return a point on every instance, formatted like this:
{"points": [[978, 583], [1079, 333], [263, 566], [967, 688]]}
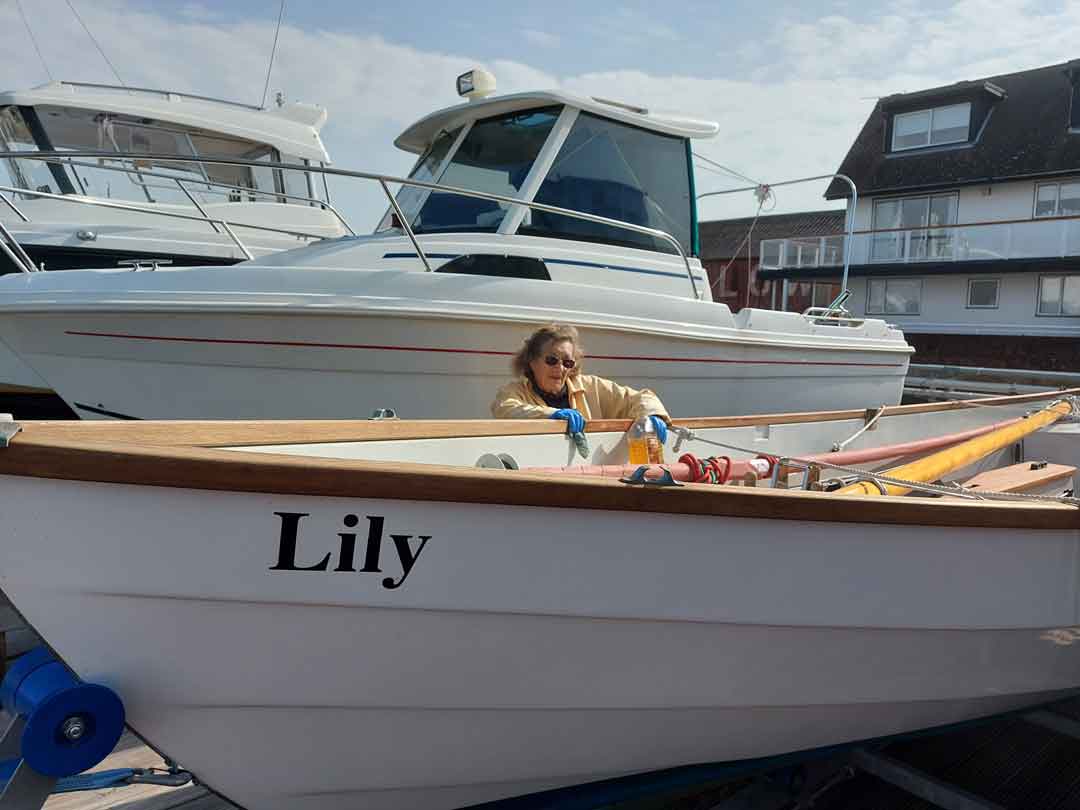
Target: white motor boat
{"points": [[319, 615], [526, 209], [123, 208]]}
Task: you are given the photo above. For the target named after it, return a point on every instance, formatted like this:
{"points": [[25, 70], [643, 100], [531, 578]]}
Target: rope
{"points": [[707, 470], [33, 39], [97, 44], [870, 475], [764, 194], [730, 171]]}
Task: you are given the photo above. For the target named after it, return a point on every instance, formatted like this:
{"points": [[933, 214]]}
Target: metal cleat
{"points": [[8, 428], [639, 478]]}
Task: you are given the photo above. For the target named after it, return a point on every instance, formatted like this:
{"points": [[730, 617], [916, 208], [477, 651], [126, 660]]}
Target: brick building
{"points": [[734, 278]]}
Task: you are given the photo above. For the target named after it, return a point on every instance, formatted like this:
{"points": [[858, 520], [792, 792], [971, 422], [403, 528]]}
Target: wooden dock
{"points": [[131, 753]]}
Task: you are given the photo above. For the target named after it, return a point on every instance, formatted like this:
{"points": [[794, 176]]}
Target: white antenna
{"points": [[273, 52]]}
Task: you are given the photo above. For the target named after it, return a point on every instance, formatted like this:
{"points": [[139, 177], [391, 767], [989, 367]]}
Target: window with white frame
{"points": [[1059, 295], [903, 220], [983, 293], [1058, 199], [933, 127], [893, 296]]}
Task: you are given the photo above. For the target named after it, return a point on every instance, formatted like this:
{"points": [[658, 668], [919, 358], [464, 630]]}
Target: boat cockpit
{"points": [[594, 156]]}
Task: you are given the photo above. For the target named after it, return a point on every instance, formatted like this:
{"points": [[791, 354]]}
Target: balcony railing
{"points": [[1052, 237]]}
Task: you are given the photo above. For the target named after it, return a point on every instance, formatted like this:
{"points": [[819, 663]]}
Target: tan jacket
{"points": [[594, 397]]}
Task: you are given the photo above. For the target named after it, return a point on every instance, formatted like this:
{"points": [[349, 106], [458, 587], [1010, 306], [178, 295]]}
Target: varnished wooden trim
{"points": [[236, 471], [12, 388], [242, 433]]}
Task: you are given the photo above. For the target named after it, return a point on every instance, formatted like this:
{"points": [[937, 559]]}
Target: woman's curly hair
{"points": [[539, 340]]}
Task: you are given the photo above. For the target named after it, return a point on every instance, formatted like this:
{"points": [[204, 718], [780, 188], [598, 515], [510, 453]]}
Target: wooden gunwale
{"points": [[62, 451], [239, 433]]}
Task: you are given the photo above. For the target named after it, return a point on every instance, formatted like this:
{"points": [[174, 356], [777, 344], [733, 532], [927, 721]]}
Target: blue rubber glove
{"points": [[660, 426], [575, 422]]}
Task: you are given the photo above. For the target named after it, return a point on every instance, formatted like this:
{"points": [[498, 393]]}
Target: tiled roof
{"points": [[722, 237], [1026, 133]]}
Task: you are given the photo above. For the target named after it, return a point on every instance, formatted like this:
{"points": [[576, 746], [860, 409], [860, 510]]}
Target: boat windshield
{"points": [[15, 136], [495, 156], [135, 179], [410, 198], [620, 172]]}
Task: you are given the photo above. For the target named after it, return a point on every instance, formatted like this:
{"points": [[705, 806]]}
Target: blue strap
{"points": [[94, 781], [70, 784]]}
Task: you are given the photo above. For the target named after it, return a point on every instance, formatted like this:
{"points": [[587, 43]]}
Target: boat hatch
{"points": [[497, 266], [557, 155], [49, 127]]}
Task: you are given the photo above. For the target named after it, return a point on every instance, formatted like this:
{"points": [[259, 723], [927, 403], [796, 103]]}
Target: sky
{"points": [[789, 83]]}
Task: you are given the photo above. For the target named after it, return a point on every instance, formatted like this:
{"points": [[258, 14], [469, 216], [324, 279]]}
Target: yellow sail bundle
{"points": [[934, 467]]}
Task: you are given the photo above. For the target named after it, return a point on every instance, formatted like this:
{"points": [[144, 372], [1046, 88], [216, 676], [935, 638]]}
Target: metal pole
{"points": [[247, 253], [15, 252], [195, 202], [14, 208], [405, 224], [15, 260]]}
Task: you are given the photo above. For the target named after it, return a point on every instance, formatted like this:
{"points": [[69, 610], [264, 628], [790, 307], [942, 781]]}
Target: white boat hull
{"points": [[516, 655], [309, 343], [16, 376]]}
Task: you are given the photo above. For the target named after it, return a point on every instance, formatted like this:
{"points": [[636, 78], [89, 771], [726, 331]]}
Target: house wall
{"points": [[947, 332], [992, 202], [944, 310]]}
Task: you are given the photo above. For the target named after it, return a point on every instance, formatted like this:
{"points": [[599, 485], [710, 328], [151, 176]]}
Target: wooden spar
{"points": [[933, 467]]}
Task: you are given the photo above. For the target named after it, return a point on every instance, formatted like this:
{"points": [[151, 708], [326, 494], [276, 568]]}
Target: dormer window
{"points": [[933, 127]]}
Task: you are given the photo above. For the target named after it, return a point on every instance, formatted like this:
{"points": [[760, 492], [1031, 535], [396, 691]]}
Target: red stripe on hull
{"points": [[377, 347]]}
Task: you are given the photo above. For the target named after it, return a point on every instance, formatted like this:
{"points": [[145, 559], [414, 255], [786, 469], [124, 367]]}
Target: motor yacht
{"points": [[122, 207], [521, 210]]}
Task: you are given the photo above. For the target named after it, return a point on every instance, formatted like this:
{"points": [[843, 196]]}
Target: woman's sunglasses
{"points": [[554, 360]]}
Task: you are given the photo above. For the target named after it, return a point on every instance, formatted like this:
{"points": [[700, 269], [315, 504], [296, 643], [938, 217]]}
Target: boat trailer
{"points": [[57, 727]]}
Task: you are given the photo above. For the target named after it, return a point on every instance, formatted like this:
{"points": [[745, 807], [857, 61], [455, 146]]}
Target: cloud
{"points": [[541, 38], [197, 11]]}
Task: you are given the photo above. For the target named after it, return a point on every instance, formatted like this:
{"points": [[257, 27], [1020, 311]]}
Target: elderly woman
{"points": [[550, 384]]}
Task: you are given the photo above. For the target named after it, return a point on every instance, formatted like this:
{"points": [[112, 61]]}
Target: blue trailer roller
{"points": [[70, 725]]}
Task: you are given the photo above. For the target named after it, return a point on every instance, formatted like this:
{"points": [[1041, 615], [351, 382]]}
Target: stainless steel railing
{"points": [[382, 179], [229, 187], [849, 226], [227, 225]]}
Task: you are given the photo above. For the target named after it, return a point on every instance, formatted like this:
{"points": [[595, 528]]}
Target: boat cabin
{"points": [[586, 154], [77, 117]]}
